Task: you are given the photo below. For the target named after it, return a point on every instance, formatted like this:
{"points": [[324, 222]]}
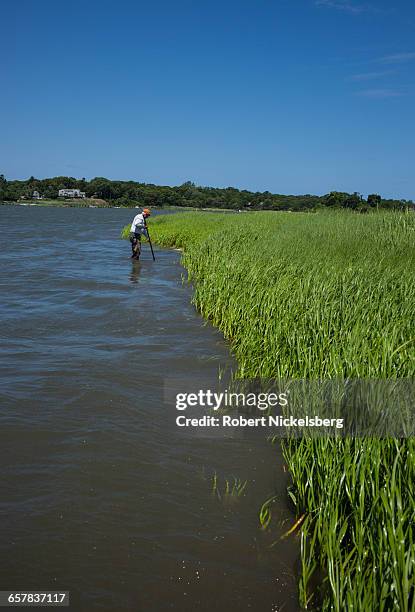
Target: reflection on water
{"points": [[135, 271], [102, 494]]}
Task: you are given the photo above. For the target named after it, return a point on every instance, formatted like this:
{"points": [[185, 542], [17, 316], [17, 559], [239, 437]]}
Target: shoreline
{"points": [[93, 203]]}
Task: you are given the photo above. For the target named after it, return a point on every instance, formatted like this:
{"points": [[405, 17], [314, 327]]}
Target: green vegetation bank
{"points": [[322, 296]]}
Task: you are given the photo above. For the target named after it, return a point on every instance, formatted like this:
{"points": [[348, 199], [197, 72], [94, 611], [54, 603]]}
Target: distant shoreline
{"points": [[78, 203], [93, 203], [103, 192]]}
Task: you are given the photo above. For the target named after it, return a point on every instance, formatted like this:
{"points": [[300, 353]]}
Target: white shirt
{"points": [[138, 222]]}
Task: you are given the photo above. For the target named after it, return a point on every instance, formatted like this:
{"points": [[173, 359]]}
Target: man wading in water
{"points": [[138, 229]]}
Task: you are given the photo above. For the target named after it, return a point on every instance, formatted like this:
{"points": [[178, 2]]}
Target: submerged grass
{"points": [[231, 488], [327, 295]]}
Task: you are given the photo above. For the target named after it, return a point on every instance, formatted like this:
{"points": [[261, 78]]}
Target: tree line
{"points": [[132, 193]]}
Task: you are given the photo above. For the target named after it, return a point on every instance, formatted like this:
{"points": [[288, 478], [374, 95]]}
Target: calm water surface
{"points": [[101, 493]]}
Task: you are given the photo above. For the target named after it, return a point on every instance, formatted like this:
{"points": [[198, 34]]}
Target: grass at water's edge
{"points": [[323, 296]]}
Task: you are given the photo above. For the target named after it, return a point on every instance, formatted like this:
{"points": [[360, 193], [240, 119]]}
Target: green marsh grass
{"points": [[320, 296], [233, 488], [265, 513]]}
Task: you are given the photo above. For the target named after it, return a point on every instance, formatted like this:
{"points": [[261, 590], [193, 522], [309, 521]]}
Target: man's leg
{"points": [[136, 245], [133, 241]]}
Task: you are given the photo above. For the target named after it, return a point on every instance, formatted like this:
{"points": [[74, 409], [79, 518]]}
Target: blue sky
{"points": [[290, 96]]}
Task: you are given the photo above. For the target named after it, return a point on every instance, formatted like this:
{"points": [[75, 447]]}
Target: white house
{"points": [[71, 193]]}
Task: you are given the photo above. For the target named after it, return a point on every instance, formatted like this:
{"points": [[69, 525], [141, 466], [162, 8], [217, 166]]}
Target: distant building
{"points": [[71, 193], [36, 195]]}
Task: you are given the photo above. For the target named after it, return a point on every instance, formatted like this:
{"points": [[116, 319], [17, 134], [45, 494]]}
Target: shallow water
{"points": [[101, 493]]}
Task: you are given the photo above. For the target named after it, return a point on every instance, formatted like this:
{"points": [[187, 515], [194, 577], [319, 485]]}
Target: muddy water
{"points": [[101, 493]]}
